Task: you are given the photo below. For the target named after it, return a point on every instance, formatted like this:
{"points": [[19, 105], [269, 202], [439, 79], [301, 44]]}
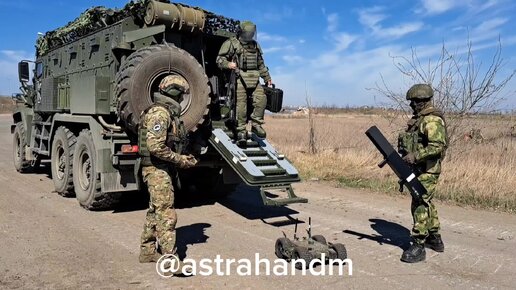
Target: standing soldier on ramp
{"points": [[423, 146], [161, 135], [244, 54]]}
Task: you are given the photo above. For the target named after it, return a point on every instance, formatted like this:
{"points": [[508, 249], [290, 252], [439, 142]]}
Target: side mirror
{"points": [[18, 97], [23, 71]]}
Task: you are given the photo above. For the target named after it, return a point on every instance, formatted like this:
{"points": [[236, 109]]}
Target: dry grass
{"points": [[6, 105], [478, 174]]}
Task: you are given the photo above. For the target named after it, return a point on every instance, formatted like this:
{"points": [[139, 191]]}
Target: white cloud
{"points": [[340, 75], [333, 22], [343, 78], [490, 25], [433, 7], [278, 14], [293, 59], [343, 40], [488, 4], [399, 30], [372, 17], [439, 6], [278, 48], [266, 37]]}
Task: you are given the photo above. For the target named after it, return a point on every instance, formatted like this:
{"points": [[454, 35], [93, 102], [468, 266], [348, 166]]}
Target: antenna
{"points": [[310, 227], [295, 229]]}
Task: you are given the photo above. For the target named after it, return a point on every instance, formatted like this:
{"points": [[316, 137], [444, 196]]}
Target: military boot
{"points": [[416, 253], [146, 257], [241, 138], [259, 131], [435, 243]]}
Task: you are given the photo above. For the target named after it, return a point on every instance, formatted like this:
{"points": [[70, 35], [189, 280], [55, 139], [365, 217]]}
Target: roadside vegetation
{"points": [[478, 170], [6, 105]]}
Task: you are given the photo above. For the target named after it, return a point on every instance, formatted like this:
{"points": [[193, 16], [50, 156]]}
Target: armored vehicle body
{"points": [[94, 77]]}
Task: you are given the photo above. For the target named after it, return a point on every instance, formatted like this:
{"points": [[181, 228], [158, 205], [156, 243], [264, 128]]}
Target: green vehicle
{"points": [[80, 108]]}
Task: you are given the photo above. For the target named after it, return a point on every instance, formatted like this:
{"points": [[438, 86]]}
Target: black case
{"points": [[274, 99]]}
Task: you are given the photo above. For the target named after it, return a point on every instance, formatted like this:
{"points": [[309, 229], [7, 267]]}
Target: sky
{"points": [[332, 51]]}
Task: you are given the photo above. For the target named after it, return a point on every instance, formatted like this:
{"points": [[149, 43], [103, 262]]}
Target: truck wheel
{"points": [[63, 148], [19, 143], [86, 179], [301, 253], [283, 248], [340, 249], [139, 78], [319, 238]]}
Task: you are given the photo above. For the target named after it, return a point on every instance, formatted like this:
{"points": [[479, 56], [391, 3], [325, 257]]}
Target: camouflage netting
{"points": [[216, 22], [89, 21], [99, 17]]}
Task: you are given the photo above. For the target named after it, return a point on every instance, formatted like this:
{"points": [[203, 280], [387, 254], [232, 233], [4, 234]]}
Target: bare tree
{"points": [[462, 86], [312, 147]]}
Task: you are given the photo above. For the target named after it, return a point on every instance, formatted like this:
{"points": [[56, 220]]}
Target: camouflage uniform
{"points": [[249, 58], [423, 146], [160, 135], [429, 128]]}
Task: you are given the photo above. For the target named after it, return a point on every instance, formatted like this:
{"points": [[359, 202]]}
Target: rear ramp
{"points": [[259, 164]]}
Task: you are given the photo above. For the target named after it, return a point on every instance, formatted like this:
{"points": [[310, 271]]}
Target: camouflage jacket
{"points": [[156, 126], [249, 58], [427, 133]]}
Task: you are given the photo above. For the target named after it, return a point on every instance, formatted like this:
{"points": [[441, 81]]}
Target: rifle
{"points": [[403, 170], [233, 77]]}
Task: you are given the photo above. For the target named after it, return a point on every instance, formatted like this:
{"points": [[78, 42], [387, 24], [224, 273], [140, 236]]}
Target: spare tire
{"points": [[141, 74]]}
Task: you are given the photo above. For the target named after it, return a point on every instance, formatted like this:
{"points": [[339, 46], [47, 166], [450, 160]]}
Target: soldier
{"points": [[423, 146], [244, 54], [160, 140]]}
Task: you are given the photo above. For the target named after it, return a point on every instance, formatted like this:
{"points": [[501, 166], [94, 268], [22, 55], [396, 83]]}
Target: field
{"points": [[6, 105], [478, 170]]}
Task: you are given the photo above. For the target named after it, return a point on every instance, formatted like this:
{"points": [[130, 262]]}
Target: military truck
{"points": [[81, 101]]}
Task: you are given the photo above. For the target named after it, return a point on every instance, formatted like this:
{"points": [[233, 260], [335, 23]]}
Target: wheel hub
{"points": [[61, 164], [85, 171]]}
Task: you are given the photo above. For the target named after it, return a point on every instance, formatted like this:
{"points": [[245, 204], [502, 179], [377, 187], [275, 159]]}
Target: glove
{"points": [[187, 161], [410, 158]]}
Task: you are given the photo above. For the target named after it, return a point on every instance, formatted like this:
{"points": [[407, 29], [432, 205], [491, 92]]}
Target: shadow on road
{"points": [[388, 233], [190, 235], [132, 201], [247, 202]]}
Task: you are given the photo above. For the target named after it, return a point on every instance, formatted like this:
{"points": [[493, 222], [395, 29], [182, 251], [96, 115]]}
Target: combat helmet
{"points": [[174, 86], [420, 92], [247, 31]]}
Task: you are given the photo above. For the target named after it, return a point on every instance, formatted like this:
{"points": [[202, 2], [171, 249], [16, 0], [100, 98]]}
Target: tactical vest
{"points": [[408, 141], [247, 54], [177, 138], [247, 57]]}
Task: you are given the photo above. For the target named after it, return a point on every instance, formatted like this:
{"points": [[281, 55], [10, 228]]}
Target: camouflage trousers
{"points": [[424, 212], [160, 223], [259, 102]]}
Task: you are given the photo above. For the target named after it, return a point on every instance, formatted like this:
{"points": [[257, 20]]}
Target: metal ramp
{"points": [[259, 164]]}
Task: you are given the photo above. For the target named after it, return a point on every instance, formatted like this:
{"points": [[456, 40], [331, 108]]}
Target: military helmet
{"points": [[247, 31], [174, 86], [420, 92]]}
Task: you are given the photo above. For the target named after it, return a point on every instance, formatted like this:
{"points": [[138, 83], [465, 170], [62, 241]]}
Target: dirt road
{"points": [[48, 241]]}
